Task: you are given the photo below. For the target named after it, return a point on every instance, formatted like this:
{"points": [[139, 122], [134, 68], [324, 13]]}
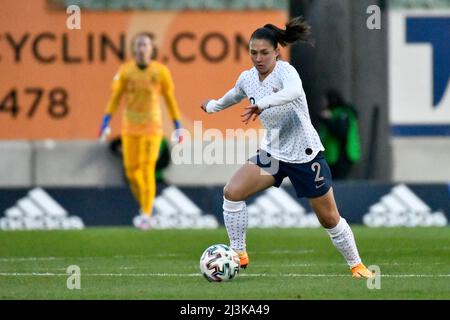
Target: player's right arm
{"points": [[117, 92], [232, 97]]}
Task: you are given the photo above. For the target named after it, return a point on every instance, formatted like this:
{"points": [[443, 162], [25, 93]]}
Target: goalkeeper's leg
{"points": [[149, 156], [130, 148]]}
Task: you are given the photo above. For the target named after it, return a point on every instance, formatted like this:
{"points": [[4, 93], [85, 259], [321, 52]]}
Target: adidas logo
{"points": [[38, 211], [402, 208], [173, 209], [276, 208]]}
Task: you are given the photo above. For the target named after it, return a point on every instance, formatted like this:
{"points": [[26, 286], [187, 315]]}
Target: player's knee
{"points": [[232, 193], [330, 221]]}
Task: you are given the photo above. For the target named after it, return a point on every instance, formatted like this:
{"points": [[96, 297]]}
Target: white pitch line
{"points": [[286, 251], [19, 259], [306, 275], [15, 259], [26, 259]]}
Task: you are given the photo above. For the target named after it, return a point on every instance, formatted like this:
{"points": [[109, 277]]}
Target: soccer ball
{"points": [[219, 263]]}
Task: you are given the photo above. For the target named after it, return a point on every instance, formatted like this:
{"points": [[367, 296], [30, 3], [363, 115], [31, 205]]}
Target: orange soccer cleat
{"points": [[243, 259], [360, 271]]}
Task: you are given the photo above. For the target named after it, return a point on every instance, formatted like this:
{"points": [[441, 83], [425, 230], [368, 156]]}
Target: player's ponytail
{"points": [[297, 30]]}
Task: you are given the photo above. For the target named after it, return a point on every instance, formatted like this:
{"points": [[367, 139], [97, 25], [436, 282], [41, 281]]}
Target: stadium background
{"points": [[55, 84]]}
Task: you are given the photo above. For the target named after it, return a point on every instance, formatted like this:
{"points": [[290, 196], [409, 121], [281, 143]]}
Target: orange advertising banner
{"points": [[55, 82]]}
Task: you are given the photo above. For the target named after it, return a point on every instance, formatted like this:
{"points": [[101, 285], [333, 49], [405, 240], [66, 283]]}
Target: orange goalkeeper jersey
{"points": [[142, 89]]}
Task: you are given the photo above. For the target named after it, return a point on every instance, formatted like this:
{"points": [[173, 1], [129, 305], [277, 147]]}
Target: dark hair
{"points": [[297, 30], [149, 35], [334, 98]]}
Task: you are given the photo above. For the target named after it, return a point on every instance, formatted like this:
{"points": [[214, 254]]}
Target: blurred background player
{"points": [[291, 147], [339, 133], [142, 81]]}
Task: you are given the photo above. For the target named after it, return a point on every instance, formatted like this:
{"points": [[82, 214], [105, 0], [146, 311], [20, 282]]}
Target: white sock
{"points": [[236, 221], [342, 237]]}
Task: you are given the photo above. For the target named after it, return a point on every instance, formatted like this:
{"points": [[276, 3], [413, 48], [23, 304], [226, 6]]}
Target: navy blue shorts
{"points": [[310, 180]]}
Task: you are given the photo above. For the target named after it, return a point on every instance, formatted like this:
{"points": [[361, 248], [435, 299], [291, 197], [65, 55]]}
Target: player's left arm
{"points": [[168, 93]]}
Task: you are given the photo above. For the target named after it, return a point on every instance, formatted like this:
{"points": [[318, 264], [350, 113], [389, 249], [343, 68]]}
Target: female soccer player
{"points": [[291, 147], [142, 81]]}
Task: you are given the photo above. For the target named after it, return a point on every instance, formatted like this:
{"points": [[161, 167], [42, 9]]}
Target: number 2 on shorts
{"points": [[316, 168]]}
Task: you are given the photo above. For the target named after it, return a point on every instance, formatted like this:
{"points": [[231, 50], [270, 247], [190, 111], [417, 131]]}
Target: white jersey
{"points": [[290, 135]]}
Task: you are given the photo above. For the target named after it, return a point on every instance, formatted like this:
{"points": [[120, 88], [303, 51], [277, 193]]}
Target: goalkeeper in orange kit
{"points": [[142, 81]]}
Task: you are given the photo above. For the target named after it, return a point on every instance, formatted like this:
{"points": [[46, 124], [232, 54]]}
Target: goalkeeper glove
{"points": [[105, 130], [178, 135]]}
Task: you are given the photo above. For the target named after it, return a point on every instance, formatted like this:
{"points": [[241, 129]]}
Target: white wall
{"points": [[421, 159], [89, 163], [76, 163], [15, 163]]}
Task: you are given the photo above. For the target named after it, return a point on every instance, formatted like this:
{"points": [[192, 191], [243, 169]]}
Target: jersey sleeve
{"points": [[239, 86], [233, 96], [292, 89], [168, 93], [118, 85]]}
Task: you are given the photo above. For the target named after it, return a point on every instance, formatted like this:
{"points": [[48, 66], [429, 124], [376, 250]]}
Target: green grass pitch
{"points": [[124, 263]]}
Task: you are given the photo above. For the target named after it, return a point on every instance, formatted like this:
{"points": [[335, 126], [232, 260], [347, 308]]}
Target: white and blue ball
{"points": [[219, 263]]}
